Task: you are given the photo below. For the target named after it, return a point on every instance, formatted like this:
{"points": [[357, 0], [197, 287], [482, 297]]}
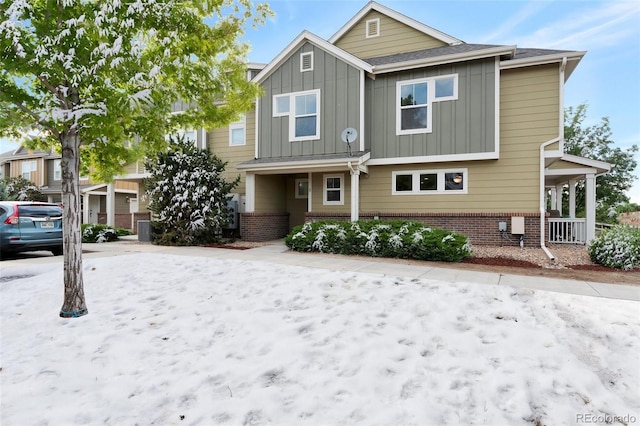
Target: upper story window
{"points": [[303, 110], [27, 168], [57, 169], [306, 61], [452, 181], [237, 132], [414, 99], [373, 27], [333, 190]]}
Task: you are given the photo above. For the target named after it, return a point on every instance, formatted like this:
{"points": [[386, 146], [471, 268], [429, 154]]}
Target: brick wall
{"points": [[263, 226], [480, 228]]}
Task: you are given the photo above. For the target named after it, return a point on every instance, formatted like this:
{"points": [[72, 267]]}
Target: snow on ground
{"points": [[174, 340]]}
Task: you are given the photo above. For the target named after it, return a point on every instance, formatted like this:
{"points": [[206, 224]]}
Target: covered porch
{"points": [[565, 174]]}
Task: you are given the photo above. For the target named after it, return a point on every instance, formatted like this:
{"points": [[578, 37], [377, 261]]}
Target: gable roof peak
{"points": [[372, 5]]}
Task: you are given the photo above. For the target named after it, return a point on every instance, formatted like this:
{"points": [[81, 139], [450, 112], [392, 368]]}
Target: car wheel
{"points": [[57, 251]]}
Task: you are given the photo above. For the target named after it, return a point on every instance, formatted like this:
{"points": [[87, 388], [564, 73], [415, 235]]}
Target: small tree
{"points": [[595, 142], [20, 189], [94, 76], [188, 194]]}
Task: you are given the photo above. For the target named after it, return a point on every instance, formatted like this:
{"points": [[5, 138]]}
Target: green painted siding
{"points": [[462, 126], [339, 85]]}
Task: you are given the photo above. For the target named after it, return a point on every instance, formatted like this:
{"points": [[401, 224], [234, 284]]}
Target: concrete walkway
{"points": [[277, 252]]}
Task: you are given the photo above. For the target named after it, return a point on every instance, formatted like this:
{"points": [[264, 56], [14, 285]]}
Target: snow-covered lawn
{"points": [[183, 340]]}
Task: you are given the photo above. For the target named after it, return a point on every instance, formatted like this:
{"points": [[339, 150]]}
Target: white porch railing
{"points": [[568, 231]]}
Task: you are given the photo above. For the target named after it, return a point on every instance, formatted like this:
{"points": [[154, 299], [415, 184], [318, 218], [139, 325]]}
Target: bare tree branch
{"points": [[39, 120]]}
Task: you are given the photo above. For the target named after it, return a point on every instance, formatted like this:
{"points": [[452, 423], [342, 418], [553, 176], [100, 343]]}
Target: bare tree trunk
{"points": [[74, 304]]}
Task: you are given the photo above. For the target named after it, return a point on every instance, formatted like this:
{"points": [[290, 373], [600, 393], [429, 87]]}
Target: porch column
{"points": [[355, 194], [250, 192], [572, 198], [559, 188], [553, 198], [309, 192], [111, 205], [590, 206], [85, 207]]}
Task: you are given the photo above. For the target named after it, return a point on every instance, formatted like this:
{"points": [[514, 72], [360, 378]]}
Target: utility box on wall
{"points": [[517, 225]]}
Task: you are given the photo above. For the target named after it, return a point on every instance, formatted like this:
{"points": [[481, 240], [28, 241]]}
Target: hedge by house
{"points": [[401, 239], [617, 247], [97, 233]]}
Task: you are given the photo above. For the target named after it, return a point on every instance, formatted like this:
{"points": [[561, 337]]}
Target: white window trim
{"points": [[304, 55], [440, 184], [240, 124], [33, 166], [431, 99], [275, 105], [325, 190], [367, 26], [57, 169], [297, 194], [292, 114]]}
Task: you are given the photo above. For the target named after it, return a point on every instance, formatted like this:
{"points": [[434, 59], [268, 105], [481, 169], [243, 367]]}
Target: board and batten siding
{"points": [[462, 126], [529, 111], [339, 87], [234, 155], [395, 37]]}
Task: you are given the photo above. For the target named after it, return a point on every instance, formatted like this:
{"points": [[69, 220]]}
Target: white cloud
{"points": [[605, 25], [511, 24]]}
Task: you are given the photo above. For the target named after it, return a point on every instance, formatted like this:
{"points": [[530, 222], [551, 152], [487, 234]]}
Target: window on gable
{"points": [[306, 61], [57, 169], [237, 132], [373, 28], [303, 110], [415, 98], [333, 190], [27, 168], [429, 182]]}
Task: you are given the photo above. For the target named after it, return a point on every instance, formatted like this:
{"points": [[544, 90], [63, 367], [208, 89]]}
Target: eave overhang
{"points": [[445, 59], [308, 163], [573, 59]]}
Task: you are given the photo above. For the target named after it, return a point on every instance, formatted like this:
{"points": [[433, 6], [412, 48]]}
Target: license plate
{"points": [[47, 225]]}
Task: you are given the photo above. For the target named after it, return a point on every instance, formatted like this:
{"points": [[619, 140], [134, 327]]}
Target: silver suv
{"points": [[30, 226]]}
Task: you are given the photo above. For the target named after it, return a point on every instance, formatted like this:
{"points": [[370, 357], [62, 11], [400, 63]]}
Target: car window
{"points": [[40, 211]]}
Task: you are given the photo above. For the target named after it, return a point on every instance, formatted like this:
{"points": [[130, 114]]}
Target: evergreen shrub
{"points": [[97, 233], [400, 239]]}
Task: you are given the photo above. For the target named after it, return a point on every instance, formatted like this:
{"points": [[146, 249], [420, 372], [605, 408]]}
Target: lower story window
{"points": [[429, 182], [333, 190]]}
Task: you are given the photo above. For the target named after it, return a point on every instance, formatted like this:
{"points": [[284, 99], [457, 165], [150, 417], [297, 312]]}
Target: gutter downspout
{"points": [[355, 192], [560, 139]]}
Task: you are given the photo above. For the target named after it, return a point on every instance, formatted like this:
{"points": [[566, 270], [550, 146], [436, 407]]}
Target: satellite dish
{"points": [[349, 135]]}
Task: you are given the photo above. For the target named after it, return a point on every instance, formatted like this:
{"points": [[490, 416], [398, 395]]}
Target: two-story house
{"points": [[391, 118]]}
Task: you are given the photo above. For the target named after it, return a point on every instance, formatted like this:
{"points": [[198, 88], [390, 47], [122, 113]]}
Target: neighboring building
{"points": [[464, 136], [43, 169]]}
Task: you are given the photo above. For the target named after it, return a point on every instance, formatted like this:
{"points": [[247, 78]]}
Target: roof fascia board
{"points": [[447, 59], [303, 37], [398, 17], [541, 60], [310, 164]]}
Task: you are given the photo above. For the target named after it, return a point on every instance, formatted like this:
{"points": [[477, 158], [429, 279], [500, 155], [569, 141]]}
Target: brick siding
{"points": [[480, 228], [263, 226]]}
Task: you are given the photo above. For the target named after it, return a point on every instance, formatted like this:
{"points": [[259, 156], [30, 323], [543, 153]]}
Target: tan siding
{"points": [[219, 145], [318, 193], [529, 106], [395, 37], [271, 194], [127, 185]]}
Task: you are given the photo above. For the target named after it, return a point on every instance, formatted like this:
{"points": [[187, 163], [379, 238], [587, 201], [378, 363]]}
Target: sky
{"points": [[607, 79], [188, 340]]}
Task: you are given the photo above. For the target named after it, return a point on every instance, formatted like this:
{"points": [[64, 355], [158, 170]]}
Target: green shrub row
{"points": [[97, 233], [401, 239], [617, 247]]}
